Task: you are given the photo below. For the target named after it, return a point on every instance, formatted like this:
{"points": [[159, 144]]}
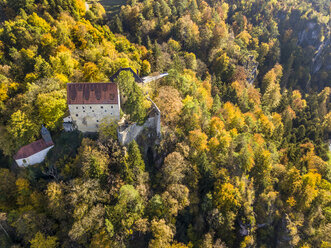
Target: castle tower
{"points": [[90, 103], [46, 135]]}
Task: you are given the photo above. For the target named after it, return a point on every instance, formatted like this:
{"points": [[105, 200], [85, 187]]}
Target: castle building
{"points": [[35, 152], [90, 103]]}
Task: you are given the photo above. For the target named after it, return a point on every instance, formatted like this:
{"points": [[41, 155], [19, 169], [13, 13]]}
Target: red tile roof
{"points": [[92, 93], [33, 148]]}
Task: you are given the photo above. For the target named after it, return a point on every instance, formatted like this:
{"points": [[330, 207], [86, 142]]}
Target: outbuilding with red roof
{"points": [[35, 152]]}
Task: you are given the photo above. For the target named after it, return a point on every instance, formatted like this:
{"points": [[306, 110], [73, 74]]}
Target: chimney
{"points": [[46, 135]]}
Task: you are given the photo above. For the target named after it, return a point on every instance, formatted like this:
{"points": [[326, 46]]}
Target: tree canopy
{"points": [[244, 155]]}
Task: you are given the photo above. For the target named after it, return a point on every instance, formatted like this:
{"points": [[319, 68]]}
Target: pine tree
{"points": [[134, 163], [216, 105], [41, 241]]}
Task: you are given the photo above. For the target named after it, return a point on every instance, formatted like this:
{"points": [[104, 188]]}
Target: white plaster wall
{"points": [[87, 117], [34, 159]]}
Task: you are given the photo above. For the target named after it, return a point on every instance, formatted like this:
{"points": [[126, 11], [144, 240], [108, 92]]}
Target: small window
{"points": [[76, 107], [83, 107], [102, 107], [84, 111], [90, 107], [111, 113], [92, 110], [77, 115], [97, 120], [106, 111], [111, 106]]}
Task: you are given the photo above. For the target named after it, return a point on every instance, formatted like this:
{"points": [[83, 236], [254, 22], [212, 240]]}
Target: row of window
{"points": [[93, 111], [91, 107]]}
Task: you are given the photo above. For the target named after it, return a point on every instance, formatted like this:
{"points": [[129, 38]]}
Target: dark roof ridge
{"points": [[135, 75]]}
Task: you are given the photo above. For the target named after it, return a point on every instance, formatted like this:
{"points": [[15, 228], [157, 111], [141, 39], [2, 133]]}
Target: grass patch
{"points": [[112, 7]]}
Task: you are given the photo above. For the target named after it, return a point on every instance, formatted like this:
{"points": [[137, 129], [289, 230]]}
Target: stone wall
{"points": [[127, 133], [157, 117], [67, 124]]}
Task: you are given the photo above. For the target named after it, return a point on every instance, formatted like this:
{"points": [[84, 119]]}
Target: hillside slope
{"points": [[244, 158]]}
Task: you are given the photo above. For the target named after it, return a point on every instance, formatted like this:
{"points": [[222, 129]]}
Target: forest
{"points": [[245, 155]]}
